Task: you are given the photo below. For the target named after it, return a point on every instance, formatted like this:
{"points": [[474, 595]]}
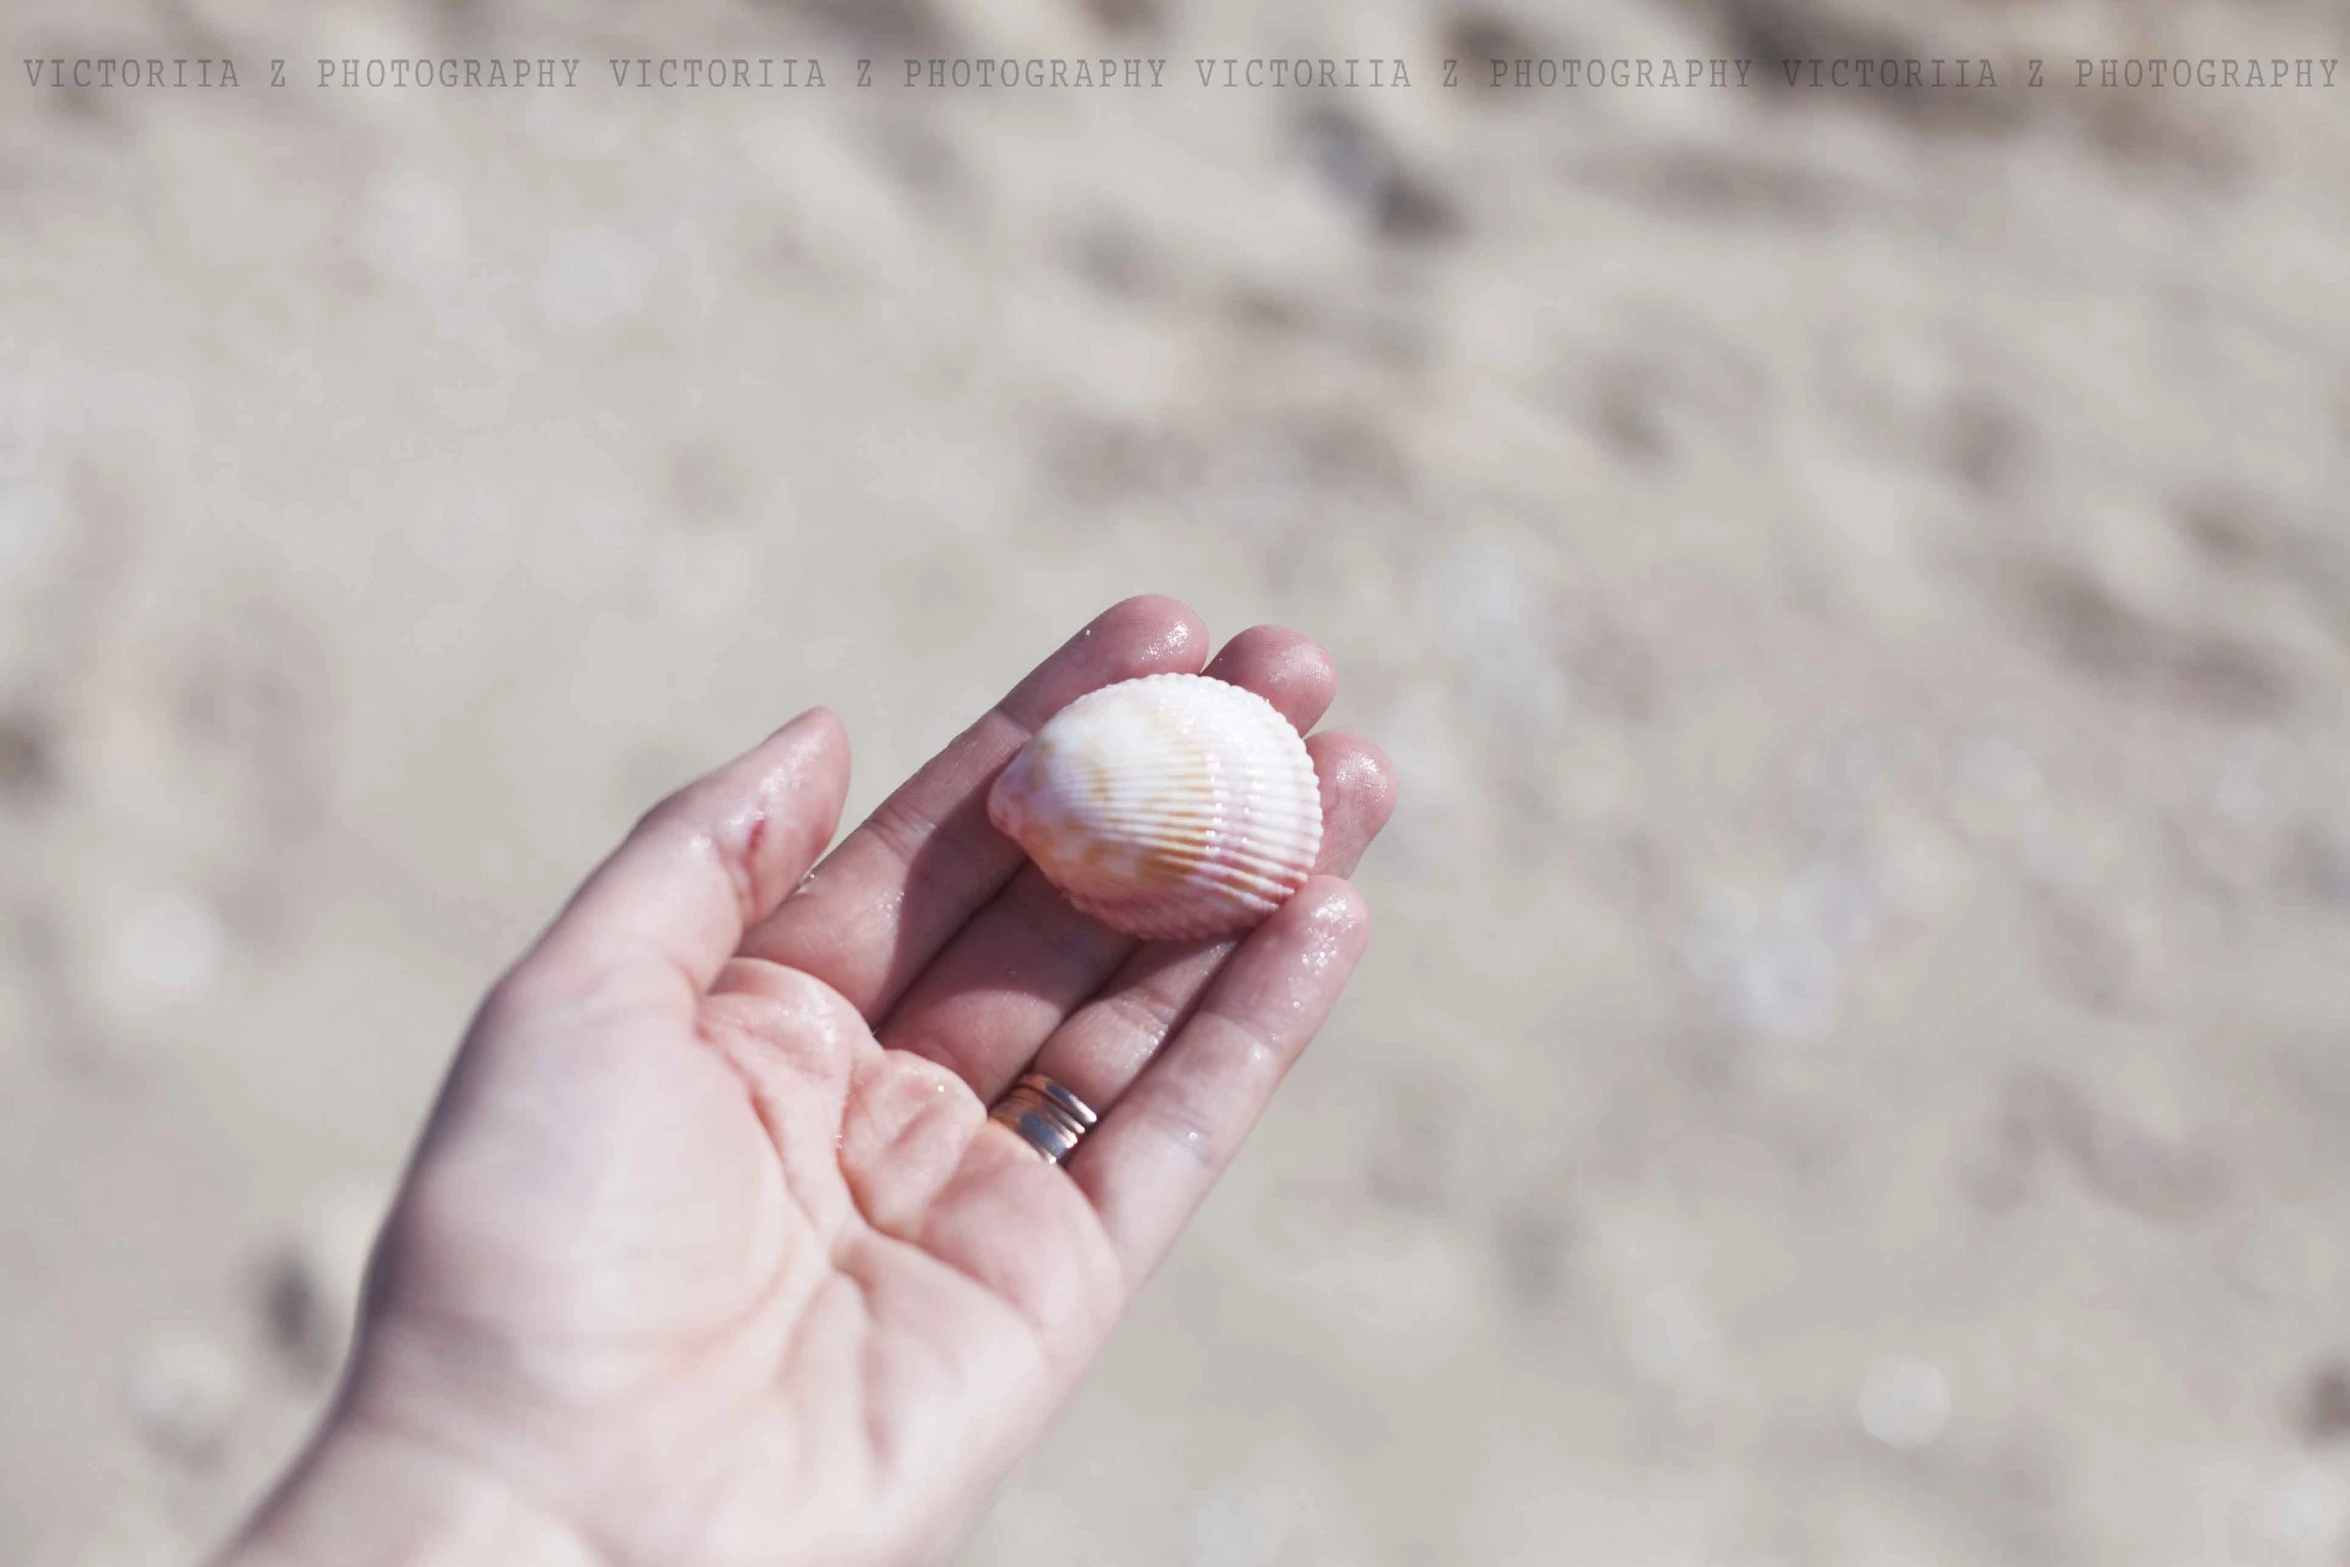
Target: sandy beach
{"points": [[1854, 1061]]}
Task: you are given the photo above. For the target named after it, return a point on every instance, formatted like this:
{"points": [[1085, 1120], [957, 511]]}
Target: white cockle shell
{"points": [[1167, 807]]}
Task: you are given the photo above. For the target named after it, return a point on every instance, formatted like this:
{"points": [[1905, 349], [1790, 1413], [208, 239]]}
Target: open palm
{"points": [[710, 1253]]}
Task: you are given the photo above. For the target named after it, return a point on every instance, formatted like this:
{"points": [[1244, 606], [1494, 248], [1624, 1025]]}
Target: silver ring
{"points": [[1047, 1117]]}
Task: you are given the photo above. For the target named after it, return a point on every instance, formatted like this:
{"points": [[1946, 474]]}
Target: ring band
{"points": [[1047, 1117]]}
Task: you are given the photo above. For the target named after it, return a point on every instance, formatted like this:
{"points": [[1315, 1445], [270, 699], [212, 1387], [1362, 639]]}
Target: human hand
{"points": [[710, 1254]]}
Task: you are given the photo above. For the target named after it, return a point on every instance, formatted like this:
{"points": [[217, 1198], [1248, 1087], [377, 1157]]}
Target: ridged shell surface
{"points": [[1168, 807]]}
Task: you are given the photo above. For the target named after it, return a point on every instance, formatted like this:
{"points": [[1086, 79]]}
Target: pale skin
{"points": [[709, 1253]]}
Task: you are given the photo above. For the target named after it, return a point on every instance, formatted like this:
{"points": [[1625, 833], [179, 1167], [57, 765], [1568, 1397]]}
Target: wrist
{"points": [[364, 1498]]}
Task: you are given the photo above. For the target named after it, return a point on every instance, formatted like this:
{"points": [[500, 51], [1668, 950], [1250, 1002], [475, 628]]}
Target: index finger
{"points": [[882, 904]]}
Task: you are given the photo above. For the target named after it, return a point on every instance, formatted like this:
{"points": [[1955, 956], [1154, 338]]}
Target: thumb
{"points": [[661, 916]]}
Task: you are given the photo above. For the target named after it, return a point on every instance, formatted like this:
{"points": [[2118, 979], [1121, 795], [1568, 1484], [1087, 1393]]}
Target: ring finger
{"points": [[1101, 1048], [1014, 973]]}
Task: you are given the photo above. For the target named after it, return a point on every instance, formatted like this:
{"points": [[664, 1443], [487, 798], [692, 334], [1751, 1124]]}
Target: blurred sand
{"points": [[1854, 1064]]}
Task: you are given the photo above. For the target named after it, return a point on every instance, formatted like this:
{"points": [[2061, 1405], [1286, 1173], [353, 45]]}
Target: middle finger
{"points": [[1012, 974]]}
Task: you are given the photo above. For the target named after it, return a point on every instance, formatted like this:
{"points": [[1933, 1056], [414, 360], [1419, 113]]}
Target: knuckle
{"points": [[1184, 1122], [1143, 1013]]}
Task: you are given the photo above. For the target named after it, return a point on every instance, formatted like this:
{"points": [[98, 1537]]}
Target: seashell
{"points": [[1168, 807]]}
